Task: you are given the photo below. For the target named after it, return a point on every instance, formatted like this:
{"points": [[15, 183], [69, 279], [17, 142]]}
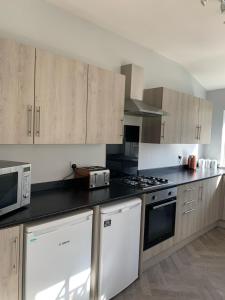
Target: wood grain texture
{"points": [[105, 113], [190, 117], [205, 121], [166, 129], [17, 63], [10, 263], [61, 94], [195, 272]]}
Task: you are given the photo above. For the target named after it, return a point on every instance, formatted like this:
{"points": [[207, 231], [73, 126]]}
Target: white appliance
{"points": [[58, 259], [119, 247]]}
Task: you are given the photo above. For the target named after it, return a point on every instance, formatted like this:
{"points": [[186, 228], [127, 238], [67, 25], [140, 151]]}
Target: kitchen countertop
{"points": [[64, 200]]}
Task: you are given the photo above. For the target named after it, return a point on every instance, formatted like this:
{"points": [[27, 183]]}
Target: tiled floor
{"points": [[196, 272]]}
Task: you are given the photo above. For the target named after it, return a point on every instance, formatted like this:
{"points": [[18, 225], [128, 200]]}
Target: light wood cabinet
{"points": [[205, 121], [198, 206], [17, 63], [166, 129], [60, 100], [10, 263], [190, 119], [105, 112]]}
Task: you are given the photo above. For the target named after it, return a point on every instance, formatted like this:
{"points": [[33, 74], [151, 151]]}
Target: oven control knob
{"points": [[25, 195], [170, 193], [153, 197]]}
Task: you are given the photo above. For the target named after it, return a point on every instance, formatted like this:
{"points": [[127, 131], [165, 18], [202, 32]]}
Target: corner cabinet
{"points": [[11, 263], [105, 111], [189, 118], [60, 99], [17, 63]]}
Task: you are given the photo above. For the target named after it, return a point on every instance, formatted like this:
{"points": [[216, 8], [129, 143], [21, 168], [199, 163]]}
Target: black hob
{"points": [[145, 182]]}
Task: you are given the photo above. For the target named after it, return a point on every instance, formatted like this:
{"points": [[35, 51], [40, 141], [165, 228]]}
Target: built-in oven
{"points": [[15, 185], [160, 214]]}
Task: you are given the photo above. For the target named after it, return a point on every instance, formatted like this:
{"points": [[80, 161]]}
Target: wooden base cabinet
{"points": [[198, 206], [10, 263]]}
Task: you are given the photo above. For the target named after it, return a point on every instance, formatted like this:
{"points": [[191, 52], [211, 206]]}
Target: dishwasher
{"points": [[58, 258], [119, 247]]}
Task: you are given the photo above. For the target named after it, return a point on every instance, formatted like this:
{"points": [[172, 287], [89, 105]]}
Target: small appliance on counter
{"points": [[15, 185], [94, 176]]}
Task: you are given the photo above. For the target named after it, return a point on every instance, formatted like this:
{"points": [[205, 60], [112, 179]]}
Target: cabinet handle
{"points": [[189, 211], [201, 195], [196, 132], [189, 190], [163, 130], [15, 255], [189, 202], [29, 120], [122, 134], [200, 132], [37, 120]]}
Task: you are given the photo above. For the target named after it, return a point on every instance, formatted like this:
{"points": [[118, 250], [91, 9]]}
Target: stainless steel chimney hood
{"points": [[141, 109], [134, 87]]}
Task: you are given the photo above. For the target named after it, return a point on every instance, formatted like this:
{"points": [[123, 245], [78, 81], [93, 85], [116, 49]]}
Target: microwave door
{"points": [[10, 191]]}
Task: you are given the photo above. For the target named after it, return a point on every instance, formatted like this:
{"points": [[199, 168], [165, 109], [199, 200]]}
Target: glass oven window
{"points": [[159, 224], [8, 189]]}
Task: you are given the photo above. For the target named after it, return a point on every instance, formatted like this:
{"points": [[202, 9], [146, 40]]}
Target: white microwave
{"points": [[15, 185]]}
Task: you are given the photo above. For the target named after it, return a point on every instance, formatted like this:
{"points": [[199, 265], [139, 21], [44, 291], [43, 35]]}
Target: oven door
{"points": [[159, 222], [10, 189]]}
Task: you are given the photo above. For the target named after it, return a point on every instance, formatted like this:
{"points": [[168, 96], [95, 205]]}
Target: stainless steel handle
{"points": [[165, 204], [189, 190], [29, 120], [189, 202], [163, 130], [122, 134], [200, 132], [15, 255], [189, 211], [196, 132], [37, 120]]}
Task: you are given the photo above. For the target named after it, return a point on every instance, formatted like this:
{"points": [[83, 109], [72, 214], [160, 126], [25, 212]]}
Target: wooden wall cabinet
{"points": [[105, 112], [189, 118], [166, 129], [60, 99], [17, 63], [11, 263]]}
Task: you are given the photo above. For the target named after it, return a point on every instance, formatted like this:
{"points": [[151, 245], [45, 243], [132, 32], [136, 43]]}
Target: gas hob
{"points": [[145, 182]]}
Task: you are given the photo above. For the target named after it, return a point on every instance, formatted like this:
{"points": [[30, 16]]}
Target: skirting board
{"points": [[156, 259]]}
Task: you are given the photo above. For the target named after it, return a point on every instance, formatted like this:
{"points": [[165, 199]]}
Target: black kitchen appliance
{"points": [[160, 213]]}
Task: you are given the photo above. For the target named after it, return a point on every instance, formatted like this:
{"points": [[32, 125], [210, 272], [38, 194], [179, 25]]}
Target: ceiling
{"points": [[182, 30]]}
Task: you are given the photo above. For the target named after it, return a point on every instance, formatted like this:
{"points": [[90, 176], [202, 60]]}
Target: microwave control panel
{"points": [[26, 186]]}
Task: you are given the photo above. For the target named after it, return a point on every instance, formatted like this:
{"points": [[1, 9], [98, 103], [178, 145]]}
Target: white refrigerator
{"points": [[119, 247], [58, 259]]}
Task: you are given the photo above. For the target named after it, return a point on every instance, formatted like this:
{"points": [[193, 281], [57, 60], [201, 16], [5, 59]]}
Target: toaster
{"points": [[94, 176]]}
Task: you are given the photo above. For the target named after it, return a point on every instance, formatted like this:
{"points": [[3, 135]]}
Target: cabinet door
{"points": [[205, 121], [105, 111], [60, 100], [187, 213], [171, 124], [190, 119], [10, 264], [17, 64]]}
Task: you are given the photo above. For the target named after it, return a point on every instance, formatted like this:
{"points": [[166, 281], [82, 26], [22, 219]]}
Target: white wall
{"points": [[38, 23], [213, 150]]}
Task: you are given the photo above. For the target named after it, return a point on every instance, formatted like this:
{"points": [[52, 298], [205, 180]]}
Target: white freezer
{"points": [[119, 247], [58, 259]]}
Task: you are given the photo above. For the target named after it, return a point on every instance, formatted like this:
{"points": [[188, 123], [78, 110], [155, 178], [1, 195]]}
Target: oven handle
{"points": [[164, 204]]}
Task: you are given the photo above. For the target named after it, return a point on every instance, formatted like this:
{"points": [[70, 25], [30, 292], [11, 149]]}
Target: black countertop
{"points": [[61, 200]]}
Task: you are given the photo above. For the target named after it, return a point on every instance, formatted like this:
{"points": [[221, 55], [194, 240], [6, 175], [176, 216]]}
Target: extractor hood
{"points": [[141, 109], [134, 87]]}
